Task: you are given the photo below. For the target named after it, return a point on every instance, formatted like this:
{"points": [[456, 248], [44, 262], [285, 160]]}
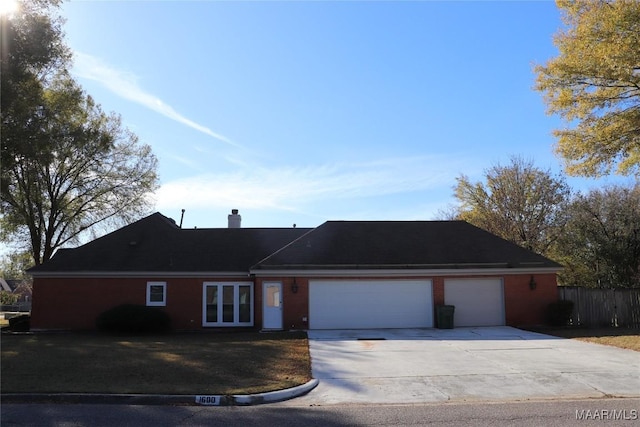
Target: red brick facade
{"points": [[74, 303], [526, 306]]}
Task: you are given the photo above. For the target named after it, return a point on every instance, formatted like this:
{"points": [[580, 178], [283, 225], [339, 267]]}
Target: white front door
{"points": [[272, 305]]}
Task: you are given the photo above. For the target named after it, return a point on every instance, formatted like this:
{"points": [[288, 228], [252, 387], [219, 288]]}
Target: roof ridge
{"points": [[247, 228], [400, 221]]}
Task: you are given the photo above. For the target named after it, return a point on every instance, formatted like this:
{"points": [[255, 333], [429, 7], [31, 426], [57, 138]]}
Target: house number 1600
{"points": [[208, 400]]}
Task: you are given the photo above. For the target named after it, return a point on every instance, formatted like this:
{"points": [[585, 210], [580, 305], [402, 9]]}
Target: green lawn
{"points": [[199, 363]]}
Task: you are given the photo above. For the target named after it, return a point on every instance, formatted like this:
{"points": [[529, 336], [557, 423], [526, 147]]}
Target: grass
{"points": [[207, 363], [617, 337]]}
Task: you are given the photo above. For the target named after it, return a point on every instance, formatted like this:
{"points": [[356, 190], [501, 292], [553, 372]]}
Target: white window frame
{"points": [[236, 304], [164, 294]]}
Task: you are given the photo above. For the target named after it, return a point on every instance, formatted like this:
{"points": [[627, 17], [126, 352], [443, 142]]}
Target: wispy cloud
{"points": [[125, 85], [291, 188]]}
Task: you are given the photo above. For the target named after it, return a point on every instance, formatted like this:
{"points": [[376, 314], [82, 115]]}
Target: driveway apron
{"points": [[492, 363]]}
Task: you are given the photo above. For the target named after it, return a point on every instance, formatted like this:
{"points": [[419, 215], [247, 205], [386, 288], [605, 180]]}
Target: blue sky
{"points": [[302, 112]]}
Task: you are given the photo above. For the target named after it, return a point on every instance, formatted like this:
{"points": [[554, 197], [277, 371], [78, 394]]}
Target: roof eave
{"points": [[138, 274], [402, 272]]}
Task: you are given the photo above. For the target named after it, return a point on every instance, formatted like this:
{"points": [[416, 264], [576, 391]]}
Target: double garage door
{"points": [[368, 304]]}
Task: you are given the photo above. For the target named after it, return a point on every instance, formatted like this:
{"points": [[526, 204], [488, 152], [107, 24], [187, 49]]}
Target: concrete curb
{"points": [[161, 399], [275, 396]]}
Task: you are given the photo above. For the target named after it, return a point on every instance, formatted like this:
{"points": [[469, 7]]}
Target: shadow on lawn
{"points": [[202, 363]]}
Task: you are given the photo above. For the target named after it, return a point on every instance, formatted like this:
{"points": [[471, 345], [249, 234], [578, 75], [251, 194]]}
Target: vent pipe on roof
{"points": [[234, 219]]}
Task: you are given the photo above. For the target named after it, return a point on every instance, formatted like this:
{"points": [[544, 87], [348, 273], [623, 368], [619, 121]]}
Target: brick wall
{"points": [[525, 306], [296, 305], [74, 303]]}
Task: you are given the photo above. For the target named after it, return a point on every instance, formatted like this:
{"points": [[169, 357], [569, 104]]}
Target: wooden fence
{"points": [[596, 308]]}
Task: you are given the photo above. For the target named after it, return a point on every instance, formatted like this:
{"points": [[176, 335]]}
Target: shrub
{"points": [[20, 323], [8, 298], [133, 319], [558, 313]]}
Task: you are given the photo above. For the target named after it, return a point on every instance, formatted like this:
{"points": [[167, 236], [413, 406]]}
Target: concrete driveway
{"points": [[494, 363]]}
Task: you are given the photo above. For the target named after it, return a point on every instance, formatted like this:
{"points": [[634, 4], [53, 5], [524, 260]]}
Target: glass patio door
{"points": [[227, 304]]}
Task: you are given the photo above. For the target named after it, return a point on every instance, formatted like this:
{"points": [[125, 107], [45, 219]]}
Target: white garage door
{"points": [[366, 304], [478, 302]]}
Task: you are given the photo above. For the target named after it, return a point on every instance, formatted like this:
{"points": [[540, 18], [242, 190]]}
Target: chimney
{"points": [[234, 219]]}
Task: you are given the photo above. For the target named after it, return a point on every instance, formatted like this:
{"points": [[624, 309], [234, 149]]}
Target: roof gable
{"points": [[401, 244], [156, 244]]}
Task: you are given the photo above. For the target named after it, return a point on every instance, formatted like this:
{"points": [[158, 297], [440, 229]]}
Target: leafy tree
{"points": [[601, 243], [34, 39], [518, 202], [594, 84], [93, 171], [15, 264], [13, 267], [8, 298], [66, 165], [32, 51]]}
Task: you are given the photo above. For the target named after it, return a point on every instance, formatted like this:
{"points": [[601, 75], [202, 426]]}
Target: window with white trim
{"points": [[157, 293], [227, 304]]}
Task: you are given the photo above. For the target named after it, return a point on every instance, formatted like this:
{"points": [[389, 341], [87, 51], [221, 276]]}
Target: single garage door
{"points": [[367, 304], [478, 302]]}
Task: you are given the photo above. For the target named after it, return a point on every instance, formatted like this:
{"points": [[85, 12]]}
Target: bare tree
{"points": [[518, 202]]}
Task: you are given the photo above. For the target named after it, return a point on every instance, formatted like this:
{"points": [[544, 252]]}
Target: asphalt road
{"points": [[531, 413]]}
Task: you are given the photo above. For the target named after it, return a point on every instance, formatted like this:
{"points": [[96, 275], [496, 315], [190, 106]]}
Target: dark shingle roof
{"points": [[401, 244], [155, 243]]}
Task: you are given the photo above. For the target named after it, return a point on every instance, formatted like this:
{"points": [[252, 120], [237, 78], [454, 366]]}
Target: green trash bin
{"points": [[444, 316]]}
